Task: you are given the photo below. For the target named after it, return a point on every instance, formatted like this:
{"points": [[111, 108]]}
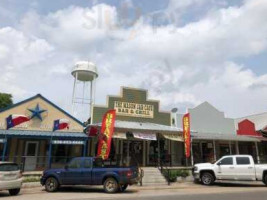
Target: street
{"points": [[183, 191]]}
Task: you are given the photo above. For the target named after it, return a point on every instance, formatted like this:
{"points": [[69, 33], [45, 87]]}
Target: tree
{"points": [[5, 100]]}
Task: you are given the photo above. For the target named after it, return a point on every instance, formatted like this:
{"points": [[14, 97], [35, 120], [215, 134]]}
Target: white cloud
{"points": [[19, 54], [182, 66]]}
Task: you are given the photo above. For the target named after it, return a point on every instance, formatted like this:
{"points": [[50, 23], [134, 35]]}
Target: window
{"points": [[242, 161], [226, 161], [98, 163], [8, 167], [87, 163], [75, 164]]}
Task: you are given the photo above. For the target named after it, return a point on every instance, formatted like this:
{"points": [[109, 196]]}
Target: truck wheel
{"points": [[14, 192], [123, 187], [111, 185], [51, 184], [207, 178]]}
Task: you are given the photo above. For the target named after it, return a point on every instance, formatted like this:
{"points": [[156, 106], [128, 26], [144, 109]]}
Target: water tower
{"points": [[85, 74]]}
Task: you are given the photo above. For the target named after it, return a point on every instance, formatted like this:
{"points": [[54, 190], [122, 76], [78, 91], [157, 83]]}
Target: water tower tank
{"points": [[85, 71]]}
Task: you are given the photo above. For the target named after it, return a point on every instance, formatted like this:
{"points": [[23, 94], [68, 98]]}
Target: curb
{"points": [[31, 185], [150, 187]]}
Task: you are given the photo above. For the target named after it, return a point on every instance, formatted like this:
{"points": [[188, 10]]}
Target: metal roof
{"points": [[42, 134], [143, 126], [258, 119], [225, 137]]}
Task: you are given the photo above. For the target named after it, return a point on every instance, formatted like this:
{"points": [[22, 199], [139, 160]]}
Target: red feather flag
{"points": [[187, 134], [105, 137]]}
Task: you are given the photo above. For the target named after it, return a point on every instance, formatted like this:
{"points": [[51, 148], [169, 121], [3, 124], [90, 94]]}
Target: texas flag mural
{"points": [[60, 124], [14, 120]]}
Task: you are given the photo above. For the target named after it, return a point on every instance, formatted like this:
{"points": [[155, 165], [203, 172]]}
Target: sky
{"points": [[184, 52]]}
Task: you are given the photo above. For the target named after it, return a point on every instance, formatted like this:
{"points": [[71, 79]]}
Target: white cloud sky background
{"points": [[184, 53]]}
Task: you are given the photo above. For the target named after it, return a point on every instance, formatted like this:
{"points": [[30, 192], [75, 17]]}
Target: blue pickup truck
{"points": [[90, 171]]}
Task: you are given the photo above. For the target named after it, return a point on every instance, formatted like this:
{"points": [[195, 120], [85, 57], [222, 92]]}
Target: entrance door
{"points": [[133, 152], [31, 152], [136, 152]]}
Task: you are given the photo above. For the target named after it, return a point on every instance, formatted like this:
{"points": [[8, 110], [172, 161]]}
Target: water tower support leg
{"points": [[73, 92], [91, 100]]}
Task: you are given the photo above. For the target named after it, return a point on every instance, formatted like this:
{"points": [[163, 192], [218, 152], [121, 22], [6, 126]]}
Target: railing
{"points": [[165, 171], [39, 163]]}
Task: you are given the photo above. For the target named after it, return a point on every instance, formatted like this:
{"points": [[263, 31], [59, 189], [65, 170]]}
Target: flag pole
{"points": [[50, 149]]}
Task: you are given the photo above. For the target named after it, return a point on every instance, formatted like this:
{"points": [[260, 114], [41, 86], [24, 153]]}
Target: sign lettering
{"points": [[134, 109]]}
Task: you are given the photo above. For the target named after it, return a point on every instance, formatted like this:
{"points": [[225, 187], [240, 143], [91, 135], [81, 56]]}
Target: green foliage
{"points": [[174, 173], [5, 100], [30, 179]]}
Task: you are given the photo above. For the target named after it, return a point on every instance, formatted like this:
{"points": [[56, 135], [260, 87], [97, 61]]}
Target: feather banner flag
{"points": [[105, 137]]}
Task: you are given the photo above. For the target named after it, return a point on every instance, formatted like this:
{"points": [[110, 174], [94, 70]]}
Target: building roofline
{"points": [[45, 99], [252, 115]]}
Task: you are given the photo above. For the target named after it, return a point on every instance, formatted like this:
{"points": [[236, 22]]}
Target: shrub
{"points": [[174, 173]]}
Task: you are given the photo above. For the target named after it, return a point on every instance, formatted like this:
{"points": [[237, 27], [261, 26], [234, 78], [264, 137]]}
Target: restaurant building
{"points": [[215, 135], [34, 144], [143, 133], [254, 126]]}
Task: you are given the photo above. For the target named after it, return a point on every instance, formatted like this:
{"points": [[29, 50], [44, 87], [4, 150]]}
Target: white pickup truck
{"points": [[232, 168]]}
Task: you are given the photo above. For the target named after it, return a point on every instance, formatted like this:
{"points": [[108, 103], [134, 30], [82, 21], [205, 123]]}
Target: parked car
{"points": [[90, 171], [232, 168], [10, 177]]}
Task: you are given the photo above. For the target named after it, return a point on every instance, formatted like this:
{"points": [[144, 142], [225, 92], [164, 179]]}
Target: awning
{"points": [[145, 136], [174, 137], [43, 134], [124, 126], [223, 137], [117, 135]]}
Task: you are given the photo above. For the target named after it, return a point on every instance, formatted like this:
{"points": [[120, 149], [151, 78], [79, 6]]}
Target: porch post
{"points": [[230, 147], [85, 147], [128, 153], [158, 151], [257, 152], [237, 147], [192, 156], [214, 150], [49, 154], [201, 151], [144, 153], [5, 148]]}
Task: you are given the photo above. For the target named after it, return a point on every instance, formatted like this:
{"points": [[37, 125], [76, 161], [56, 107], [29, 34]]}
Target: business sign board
{"points": [[134, 109], [68, 142], [145, 136]]}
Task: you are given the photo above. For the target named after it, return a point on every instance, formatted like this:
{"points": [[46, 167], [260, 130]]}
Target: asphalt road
{"points": [[226, 196], [220, 191]]}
